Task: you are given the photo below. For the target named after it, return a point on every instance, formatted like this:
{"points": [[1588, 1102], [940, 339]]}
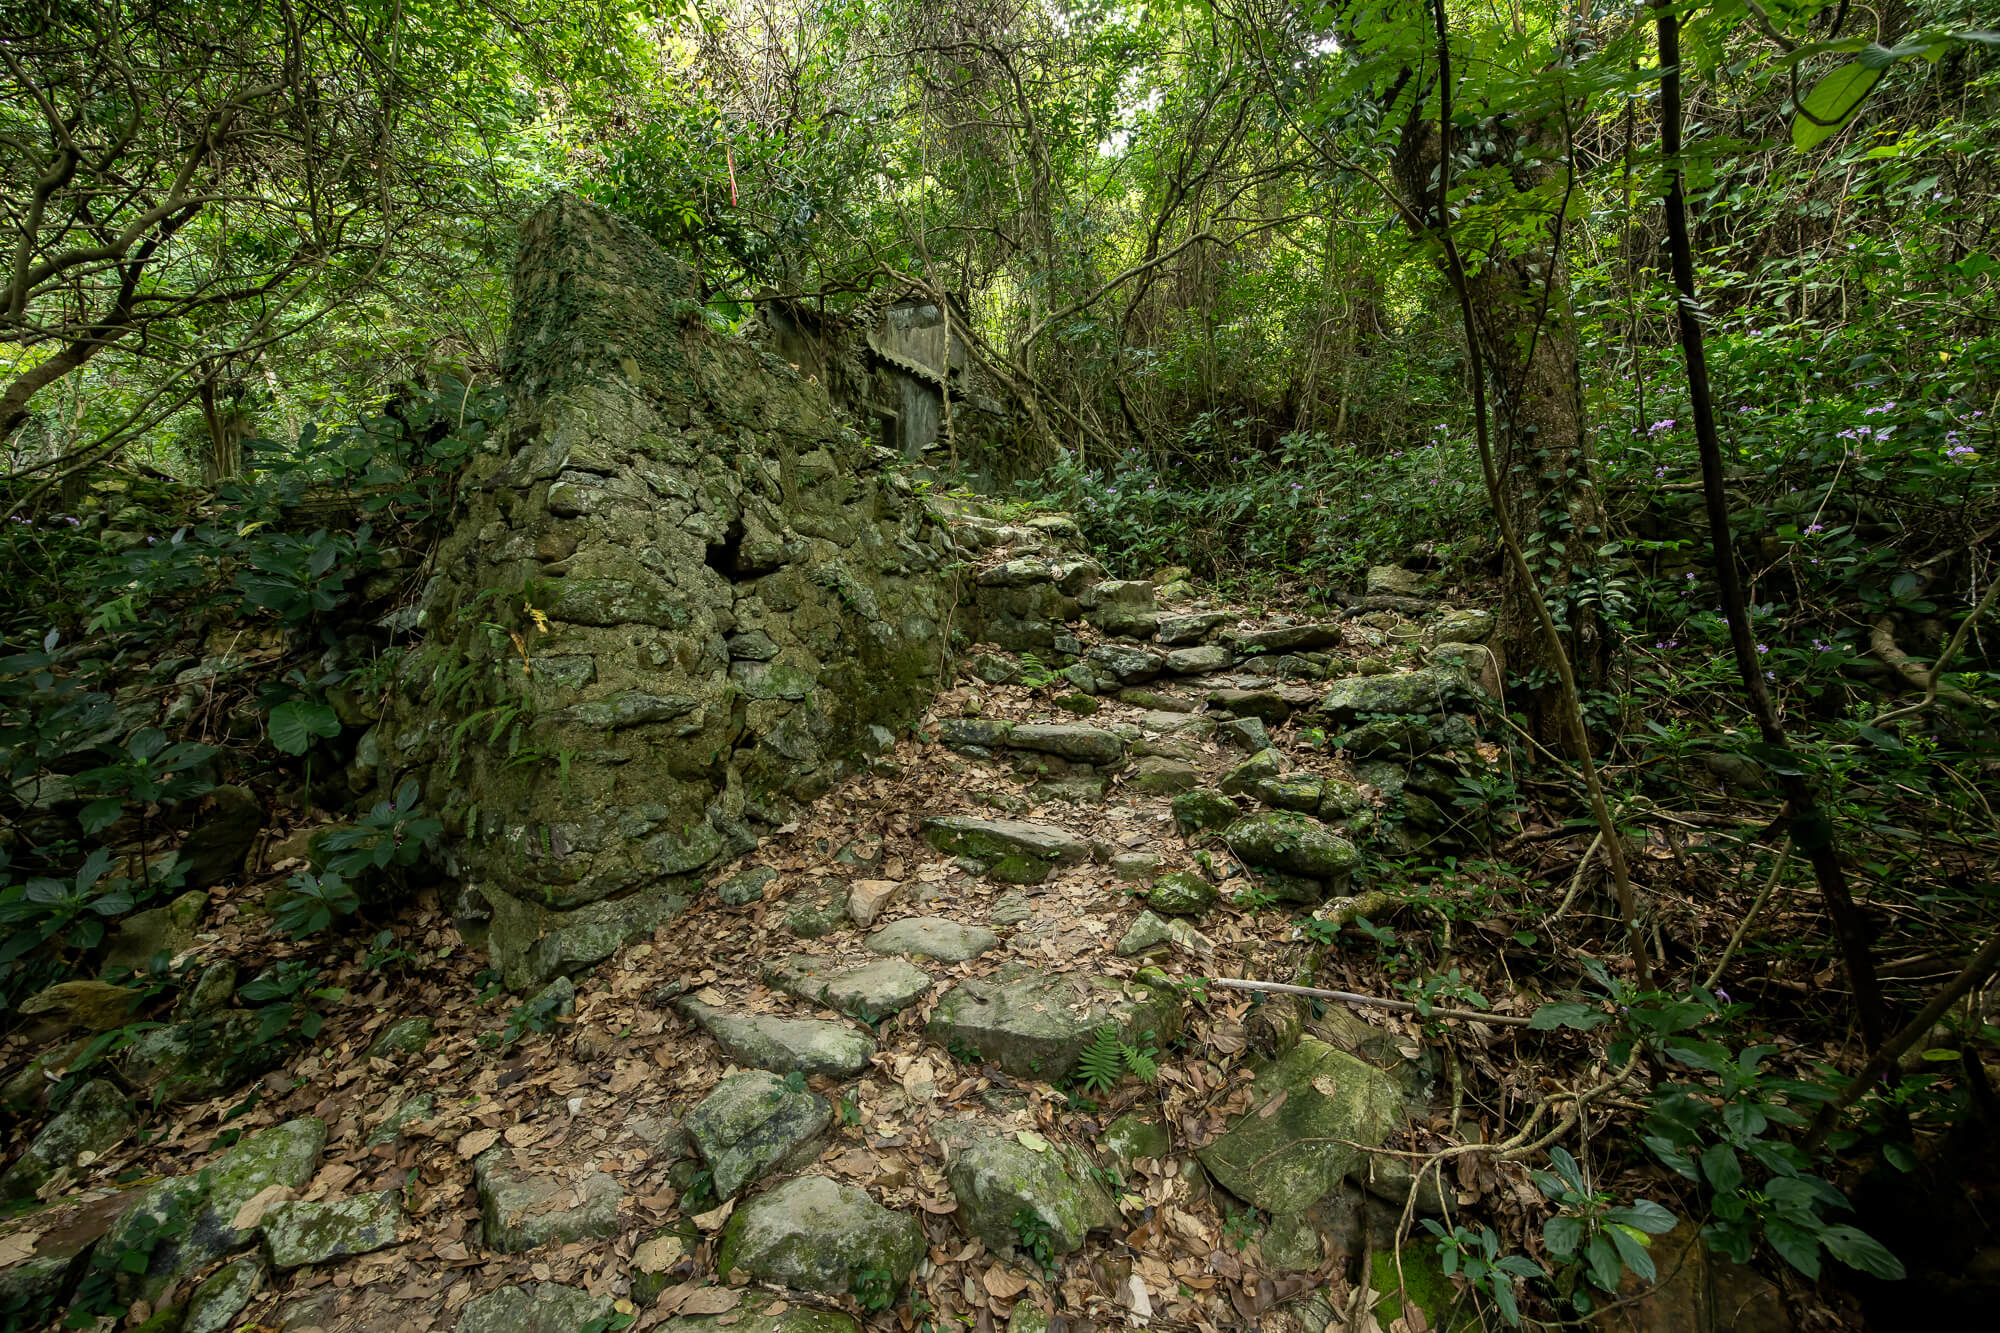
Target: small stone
{"points": [[962, 733], [534, 1307], [817, 912], [1185, 629], [170, 930], [223, 1295], [753, 1126], [211, 993], [297, 1233], [786, 1045], [1134, 865], [215, 850], [1259, 767], [996, 1180], [867, 897], [1130, 1139], [1021, 573], [1146, 933], [1011, 909], [1126, 621], [1340, 800], [745, 886], [1166, 574], [408, 1111], [1183, 893], [523, 1209], [1163, 776], [1136, 593], [1203, 809], [818, 1236], [933, 937], [1244, 733], [405, 1036], [1083, 705], [1156, 700]]}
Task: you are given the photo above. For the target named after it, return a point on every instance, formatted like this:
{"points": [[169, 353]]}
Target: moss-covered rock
{"points": [[936, 937], [817, 911], [1263, 766], [1182, 893], [1434, 689], [753, 1126], [524, 1206], [1294, 844], [1002, 1181], [867, 991], [223, 1295], [96, 1117], [1035, 1024], [786, 1045], [1161, 775], [1290, 1148], [1027, 848], [1133, 1138], [1292, 791], [405, 1036], [302, 1232], [755, 1315], [1202, 809], [534, 1307], [814, 1235]]}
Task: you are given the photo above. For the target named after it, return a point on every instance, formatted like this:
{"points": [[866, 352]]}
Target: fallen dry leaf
{"points": [[251, 1214], [477, 1142], [1003, 1284], [17, 1247], [713, 1219], [712, 1300]]}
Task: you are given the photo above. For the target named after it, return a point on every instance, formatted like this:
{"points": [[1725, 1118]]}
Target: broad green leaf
{"points": [[1831, 102], [1565, 1014], [1857, 1249], [295, 724]]}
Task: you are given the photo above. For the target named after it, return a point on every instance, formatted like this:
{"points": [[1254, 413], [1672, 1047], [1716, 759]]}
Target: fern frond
{"points": [[1102, 1062]]}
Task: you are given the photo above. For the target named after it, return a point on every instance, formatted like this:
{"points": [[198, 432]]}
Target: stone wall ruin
{"points": [[682, 597]]}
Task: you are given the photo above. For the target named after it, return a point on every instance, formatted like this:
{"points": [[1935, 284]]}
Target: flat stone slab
{"points": [[1294, 844], [522, 1208], [1129, 665], [1289, 1150], [223, 1295], [534, 1307], [1027, 851], [1088, 745], [785, 1045], [1287, 638], [1265, 705], [933, 937], [866, 991], [297, 1233], [756, 1315], [1199, 661], [753, 1126], [1164, 776], [815, 1235], [1434, 689], [1035, 1024], [1180, 629]]}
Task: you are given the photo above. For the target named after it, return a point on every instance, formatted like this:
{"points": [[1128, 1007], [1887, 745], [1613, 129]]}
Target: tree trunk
{"points": [[1521, 305]]}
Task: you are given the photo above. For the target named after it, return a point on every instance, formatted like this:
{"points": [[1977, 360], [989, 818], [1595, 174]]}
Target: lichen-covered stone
{"points": [[138, 938], [1185, 629], [1199, 661], [1292, 791], [223, 1295], [1182, 893], [817, 911], [1468, 626], [1290, 1148], [867, 991], [523, 1207], [751, 588], [753, 1126], [1434, 689], [1149, 932], [814, 1235], [745, 886], [1394, 581], [1127, 664], [755, 1315], [406, 1112], [1244, 733], [405, 1036], [96, 1117], [933, 937], [1037, 848], [1295, 844], [1071, 741], [1268, 706], [1160, 775], [1035, 1024], [1287, 638], [1132, 1138], [299, 1232], [1135, 865], [534, 1307], [1258, 767], [285, 1155], [996, 1179], [198, 1058], [1203, 809], [94, 1006], [785, 1045]]}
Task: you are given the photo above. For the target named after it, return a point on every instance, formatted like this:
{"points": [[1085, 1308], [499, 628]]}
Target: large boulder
{"points": [[1294, 844], [718, 589]]}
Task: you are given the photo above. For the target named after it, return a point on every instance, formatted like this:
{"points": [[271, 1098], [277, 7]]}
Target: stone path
{"points": [[851, 1072]]}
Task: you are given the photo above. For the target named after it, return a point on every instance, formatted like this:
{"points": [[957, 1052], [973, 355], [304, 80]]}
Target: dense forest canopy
{"points": [[1669, 332]]}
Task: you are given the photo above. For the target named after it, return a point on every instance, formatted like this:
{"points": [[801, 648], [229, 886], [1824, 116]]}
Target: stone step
{"points": [[1016, 850], [753, 1126], [523, 1208], [866, 991], [816, 1235], [933, 937], [784, 1045], [1035, 1024]]}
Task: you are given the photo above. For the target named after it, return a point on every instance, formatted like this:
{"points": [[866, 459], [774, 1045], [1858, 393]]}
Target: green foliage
{"points": [[295, 724], [1108, 1058], [1475, 1253], [285, 995], [875, 1289], [1035, 1239], [310, 903], [1240, 1229], [1589, 1234], [393, 834], [538, 1013]]}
